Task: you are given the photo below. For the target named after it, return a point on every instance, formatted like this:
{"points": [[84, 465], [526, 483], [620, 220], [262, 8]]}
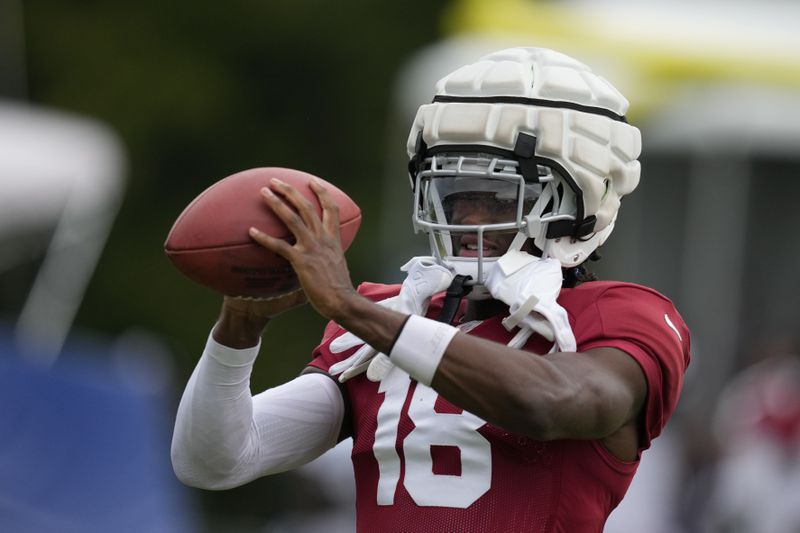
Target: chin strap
{"points": [[455, 293]]}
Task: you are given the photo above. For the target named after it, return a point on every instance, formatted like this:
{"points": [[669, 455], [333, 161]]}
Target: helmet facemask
{"points": [[476, 206]]}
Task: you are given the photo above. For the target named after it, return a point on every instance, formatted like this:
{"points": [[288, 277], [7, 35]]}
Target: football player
{"points": [[499, 388]]}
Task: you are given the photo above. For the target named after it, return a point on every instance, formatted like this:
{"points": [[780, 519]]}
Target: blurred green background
{"points": [[196, 91]]}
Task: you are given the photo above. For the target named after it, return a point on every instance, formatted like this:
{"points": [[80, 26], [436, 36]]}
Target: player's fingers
{"points": [[303, 206], [287, 215], [279, 246], [330, 209]]}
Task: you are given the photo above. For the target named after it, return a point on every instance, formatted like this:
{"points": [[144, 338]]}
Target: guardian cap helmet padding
{"points": [[540, 139]]}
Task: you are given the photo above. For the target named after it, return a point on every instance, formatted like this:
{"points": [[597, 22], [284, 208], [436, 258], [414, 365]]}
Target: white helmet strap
{"points": [[534, 227]]}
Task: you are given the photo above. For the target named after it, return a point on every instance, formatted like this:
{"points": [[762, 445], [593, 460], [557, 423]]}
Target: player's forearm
{"points": [[517, 391], [563, 395], [507, 387]]}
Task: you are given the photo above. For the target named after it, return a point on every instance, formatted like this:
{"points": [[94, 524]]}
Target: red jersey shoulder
{"points": [[584, 295], [614, 308]]}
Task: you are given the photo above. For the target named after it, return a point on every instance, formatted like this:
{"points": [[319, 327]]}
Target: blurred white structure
{"points": [[62, 173]]}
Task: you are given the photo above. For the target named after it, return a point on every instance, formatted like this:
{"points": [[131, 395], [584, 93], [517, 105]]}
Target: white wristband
{"points": [[420, 347]]}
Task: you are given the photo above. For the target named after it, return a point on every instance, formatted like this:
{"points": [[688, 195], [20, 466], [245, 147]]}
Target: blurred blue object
{"points": [[81, 450]]}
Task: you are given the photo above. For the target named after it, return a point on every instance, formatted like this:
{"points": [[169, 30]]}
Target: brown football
{"points": [[210, 244]]}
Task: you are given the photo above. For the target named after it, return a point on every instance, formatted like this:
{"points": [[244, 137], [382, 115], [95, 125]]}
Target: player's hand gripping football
{"points": [[242, 320], [316, 256]]}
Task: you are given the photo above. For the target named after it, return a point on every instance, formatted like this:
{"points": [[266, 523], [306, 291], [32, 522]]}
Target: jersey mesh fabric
{"points": [[541, 487]]}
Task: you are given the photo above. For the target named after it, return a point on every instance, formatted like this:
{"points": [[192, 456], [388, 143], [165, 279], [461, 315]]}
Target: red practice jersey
{"points": [[423, 464]]}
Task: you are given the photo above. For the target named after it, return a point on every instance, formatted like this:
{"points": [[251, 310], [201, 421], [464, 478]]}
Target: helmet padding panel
{"points": [[533, 73]]}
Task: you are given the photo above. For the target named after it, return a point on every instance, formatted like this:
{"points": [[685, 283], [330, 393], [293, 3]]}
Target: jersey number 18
{"points": [[431, 429]]}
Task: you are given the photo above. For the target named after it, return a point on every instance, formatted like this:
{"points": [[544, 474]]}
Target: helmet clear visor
{"points": [[472, 201]]}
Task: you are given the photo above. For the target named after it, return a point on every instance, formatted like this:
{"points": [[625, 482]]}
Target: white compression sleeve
{"points": [[224, 437]]}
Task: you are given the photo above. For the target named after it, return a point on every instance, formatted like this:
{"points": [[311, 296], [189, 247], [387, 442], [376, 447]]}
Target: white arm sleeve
{"points": [[224, 437]]}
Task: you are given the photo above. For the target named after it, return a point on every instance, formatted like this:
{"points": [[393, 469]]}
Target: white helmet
{"points": [[540, 136]]}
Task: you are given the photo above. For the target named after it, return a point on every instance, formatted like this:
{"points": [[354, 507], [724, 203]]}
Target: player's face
{"points": [[482, 209]]}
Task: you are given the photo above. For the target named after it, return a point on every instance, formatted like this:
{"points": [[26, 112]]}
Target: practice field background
{"points": [[114, 115]]}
